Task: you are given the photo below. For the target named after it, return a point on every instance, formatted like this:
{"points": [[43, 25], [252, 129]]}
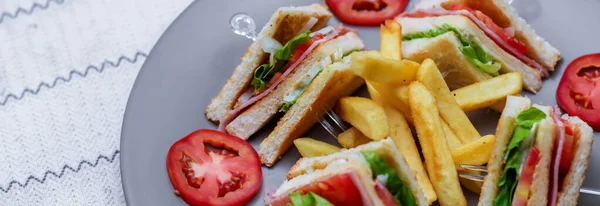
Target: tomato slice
{"points": [[489, 23], [366, 12], [566, 155], [303, 47], [578, 92], [340, 189], [228, 175], [526, 178], [384, 194]]}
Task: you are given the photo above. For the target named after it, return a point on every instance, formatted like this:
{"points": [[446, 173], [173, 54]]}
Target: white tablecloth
{"points": [[66, 70]]}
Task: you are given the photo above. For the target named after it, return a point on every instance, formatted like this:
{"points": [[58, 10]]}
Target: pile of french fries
{"points": [[407, 94]]}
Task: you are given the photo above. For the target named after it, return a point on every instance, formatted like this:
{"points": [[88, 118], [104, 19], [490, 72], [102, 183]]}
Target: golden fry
{"points": [[389, 94], [488, 93], [364, 114], [391, 40], [383, 70], [403, 138], [477, 152], [453, 141], [352, 138], [309, 147], [449, 110], [471, 185], [438, 158]]}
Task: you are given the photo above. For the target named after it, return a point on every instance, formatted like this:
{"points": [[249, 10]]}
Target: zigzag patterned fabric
{"points": [[66, 70]]}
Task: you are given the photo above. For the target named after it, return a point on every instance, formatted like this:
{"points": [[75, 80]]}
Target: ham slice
{"points": [[560, 131], [504, 45], [231, 115]]}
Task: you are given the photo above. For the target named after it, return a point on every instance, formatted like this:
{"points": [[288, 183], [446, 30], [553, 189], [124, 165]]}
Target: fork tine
{"points": [[478, 178], [327, 126], [336, 119], [473, 167]]}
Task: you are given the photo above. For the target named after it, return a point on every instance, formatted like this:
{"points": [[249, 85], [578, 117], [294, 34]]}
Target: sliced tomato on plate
{"points": [[526, 178], [228, 173], [338, 190], [578, 92], [489, 23], [366, 12]]}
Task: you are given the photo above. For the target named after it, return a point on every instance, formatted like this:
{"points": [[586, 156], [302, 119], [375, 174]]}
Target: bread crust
{"points": [[320, 95], [569, 192], [261, 112], [386, 148], [423, 48], [284, 24], [545, 139], [505, 16], [495, 166]]}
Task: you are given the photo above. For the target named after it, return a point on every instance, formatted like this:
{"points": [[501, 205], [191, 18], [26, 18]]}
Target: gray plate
{"points": [[196, 55]]}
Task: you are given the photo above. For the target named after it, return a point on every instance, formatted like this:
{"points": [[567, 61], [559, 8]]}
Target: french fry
{"points": [[453, 141], [438, 158], [383, 70], [309, 147], [403, 138], [391, 40], [489, 92], [449, 110], [477, 152], [387, 94], [364, 114], [352, 138]]}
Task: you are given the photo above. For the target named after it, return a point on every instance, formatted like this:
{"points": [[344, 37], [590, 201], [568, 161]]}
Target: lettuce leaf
{"points": [[399, 191], [263, 73], [309, 199], [474, 53], [513, 158]]}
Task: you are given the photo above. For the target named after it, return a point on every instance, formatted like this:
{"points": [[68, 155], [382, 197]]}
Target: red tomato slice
{"points": [[384, 194], [489, 23], [303, 47], [338, 190], [567, 151], [366, 12], [578, 92], [526, 178], [231, 176]]}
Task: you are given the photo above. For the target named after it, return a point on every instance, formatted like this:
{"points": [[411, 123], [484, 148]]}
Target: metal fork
{"points": [[332, 123], [483, 170]]}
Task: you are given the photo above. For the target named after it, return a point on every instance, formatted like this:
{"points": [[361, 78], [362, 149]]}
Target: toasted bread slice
{"points": [[255, 117], [505, 16], [569, 192], [386, 148], [445, 54], [504, 131], [284, 24], [334, 82]]}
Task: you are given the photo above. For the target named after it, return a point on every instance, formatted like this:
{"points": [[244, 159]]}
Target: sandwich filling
{"points": [[388, 177], [520, 160], [330, 62], [564, 151], [283, 61], [503, 37], [340, 189], [473, 52]]}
